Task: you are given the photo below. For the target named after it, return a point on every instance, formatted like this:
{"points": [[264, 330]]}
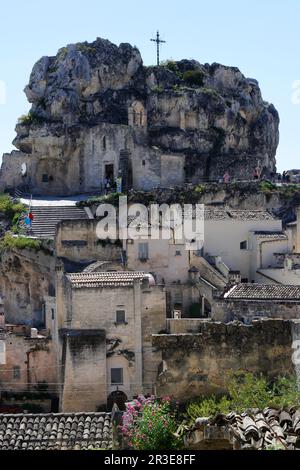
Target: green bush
{"points": [[207, 407], [151, 424], [170, 65], [199, 189], [247, 391], [20, 242], [285, 393], [155, 428], [11, 210], [85, 48], [194, 77], [289, 191], [30, 118], [267, 187]]}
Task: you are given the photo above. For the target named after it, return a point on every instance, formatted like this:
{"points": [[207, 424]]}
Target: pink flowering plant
{"points": [[151, 424]]}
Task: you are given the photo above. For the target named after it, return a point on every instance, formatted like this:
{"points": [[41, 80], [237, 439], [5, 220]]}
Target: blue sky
{"points": [[261, 37]]}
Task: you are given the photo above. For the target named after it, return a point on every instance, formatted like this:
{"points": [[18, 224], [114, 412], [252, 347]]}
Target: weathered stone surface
{"points": [[26, 278], [198, 364], [92, 101]]}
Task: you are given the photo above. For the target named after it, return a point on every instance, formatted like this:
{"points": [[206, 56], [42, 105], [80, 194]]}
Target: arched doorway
{"points": [[118, 397]]}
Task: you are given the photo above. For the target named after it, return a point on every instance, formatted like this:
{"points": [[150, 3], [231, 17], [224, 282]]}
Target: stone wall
{"points": [[27, 277], [127, 345], [84, 370], [28, 362], [197, 364], [153, 320], [245, 311], [77, 240]]}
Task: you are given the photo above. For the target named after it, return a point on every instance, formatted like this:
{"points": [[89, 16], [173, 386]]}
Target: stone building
{"points": [[28, 367], [244, 240], [105, 320], [245, 302], [97, 113], [285, 266]]}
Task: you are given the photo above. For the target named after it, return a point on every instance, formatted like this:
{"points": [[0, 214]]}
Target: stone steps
{"points": [[46, 219]]}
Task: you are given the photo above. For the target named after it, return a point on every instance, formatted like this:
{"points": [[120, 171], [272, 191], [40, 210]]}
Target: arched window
{"points": [[137, 115]]}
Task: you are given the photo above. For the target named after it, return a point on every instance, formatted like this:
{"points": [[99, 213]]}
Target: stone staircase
{"points": [[46, 219]]}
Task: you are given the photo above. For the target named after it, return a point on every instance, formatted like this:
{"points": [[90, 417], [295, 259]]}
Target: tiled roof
{"points": [[62, 431], [105, 279], [262, 429], [271, 235], [263, 292], [236, 214]]}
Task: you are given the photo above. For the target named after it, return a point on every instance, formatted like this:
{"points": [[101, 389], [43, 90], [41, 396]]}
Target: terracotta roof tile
{"points": [[106, 279], [259, 429], [263, 292], [55, 431]]}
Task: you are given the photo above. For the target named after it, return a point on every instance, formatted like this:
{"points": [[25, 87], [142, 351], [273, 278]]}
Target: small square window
{"points": [[244, 245], [16, 372], [116, 376], [45, 178], [177, 253], [120, 316]]}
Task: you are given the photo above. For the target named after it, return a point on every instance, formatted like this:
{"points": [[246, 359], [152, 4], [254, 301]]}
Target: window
{"points": [[120, 316], [134, 116], [52, 313], [17, 372], [116, 376], [143, 251], [143, 162], [45, 178], [104, 143], [244, 245], [177, 253]]}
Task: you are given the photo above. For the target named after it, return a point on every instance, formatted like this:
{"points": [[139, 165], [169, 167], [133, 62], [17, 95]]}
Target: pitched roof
{"points": [[61, 431], [106, 279], [263, 292], [256, 429]]}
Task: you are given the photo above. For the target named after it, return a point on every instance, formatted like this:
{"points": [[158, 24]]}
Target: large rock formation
{"points": [[98, 112]]}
